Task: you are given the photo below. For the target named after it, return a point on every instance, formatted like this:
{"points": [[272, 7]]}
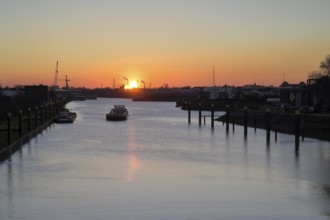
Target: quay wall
{"points": [[20, 127]]}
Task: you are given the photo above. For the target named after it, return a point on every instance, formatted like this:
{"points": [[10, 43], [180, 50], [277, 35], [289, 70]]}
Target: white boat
{"points": [[117, 113], [65, 116]]}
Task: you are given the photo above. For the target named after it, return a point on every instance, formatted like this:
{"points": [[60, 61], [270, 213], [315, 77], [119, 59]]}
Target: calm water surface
{"points": [[156, 166]]}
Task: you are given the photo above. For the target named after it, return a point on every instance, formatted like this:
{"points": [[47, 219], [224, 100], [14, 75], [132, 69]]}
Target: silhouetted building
{"points": [[297, 94], [39, 92]]}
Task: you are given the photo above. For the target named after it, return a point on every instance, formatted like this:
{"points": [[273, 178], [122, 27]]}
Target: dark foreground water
{"points": [[156, 166]]}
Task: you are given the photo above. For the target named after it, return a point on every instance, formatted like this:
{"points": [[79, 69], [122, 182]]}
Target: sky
{"points": [[174, 42]]}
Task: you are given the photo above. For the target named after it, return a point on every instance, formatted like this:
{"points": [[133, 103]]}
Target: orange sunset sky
{"points": [[162, 41]]}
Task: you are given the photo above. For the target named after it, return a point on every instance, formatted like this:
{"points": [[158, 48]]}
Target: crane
{"points": [[56, 78], [66, 82]]}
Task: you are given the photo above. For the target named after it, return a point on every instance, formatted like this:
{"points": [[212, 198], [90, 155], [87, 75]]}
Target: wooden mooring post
{"points": [[20, 123], [212, 116], [9, 130], [227, 118], [46, 113], [29, 120], [55, 110], [255, 123], [245, 121], [302, 133], [41, 115], [297, 129], [268, 125], [35, 117], [199, 114], [189, 113], [275, 135], [234, 121]]}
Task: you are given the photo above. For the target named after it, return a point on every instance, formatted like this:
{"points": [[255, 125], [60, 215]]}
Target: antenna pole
{"points": [[56, 74], [213, 81]]}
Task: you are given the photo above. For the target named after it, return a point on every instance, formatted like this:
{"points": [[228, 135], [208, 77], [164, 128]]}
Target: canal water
{"points": [[157, 166]]}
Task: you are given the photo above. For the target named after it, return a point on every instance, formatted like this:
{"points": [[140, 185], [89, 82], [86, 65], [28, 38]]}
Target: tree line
{"points": [[320, 80]]}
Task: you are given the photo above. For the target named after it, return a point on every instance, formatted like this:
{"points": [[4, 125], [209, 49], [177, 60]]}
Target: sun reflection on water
{"points": [[132, 156]]}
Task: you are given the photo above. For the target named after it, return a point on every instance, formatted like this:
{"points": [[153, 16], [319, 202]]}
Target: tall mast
{"points": [[213, 80], [56, 74]]}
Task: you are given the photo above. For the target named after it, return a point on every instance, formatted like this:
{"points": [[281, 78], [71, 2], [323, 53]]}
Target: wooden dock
{"points": [[299, 124]]}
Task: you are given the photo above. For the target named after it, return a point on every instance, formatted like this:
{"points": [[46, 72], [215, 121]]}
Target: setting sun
{"points": [[132, 85], [246, 41]]}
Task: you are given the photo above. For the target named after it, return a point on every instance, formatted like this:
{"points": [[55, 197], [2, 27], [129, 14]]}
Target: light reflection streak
{"points": [[10, 203], [132, 156]]}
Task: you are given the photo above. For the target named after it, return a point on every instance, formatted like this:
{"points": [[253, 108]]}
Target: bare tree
{"points": [[316, 74], [324, 69], [325, 66]]}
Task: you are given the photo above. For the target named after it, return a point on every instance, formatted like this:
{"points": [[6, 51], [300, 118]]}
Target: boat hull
{"points": [[65, 117], [65, 120], [118, 113], [116, 118]]}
